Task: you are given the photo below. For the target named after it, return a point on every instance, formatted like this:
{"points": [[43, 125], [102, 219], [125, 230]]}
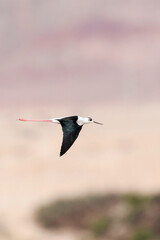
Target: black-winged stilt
{"points": [[71, 127]]}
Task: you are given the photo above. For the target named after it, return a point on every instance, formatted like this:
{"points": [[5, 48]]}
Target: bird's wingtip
{"points": [[61, 154]]}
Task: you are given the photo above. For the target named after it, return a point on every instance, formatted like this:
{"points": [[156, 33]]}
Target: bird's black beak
{"points": [[98, 123]]}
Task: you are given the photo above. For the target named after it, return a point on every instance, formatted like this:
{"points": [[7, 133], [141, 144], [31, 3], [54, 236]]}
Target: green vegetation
{"points": [[142, 234], [128, 217], [74, 212], [136, 205], [136, 201], [100, 227]]}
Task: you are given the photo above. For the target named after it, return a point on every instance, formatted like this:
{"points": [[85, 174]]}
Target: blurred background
{"points": [[96, 58]]}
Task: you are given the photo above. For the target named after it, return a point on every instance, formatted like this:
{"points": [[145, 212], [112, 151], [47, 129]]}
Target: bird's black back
{"points": [[71, 131]]}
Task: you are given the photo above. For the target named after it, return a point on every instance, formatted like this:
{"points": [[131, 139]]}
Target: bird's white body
{"points": [[54, 120], [81, 120]]}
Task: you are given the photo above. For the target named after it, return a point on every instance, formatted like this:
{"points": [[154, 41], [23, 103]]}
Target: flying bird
{"points": [[71, 127]]}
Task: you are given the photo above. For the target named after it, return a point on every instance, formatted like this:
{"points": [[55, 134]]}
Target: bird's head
{"points": [[90, 120], [83, 120]]}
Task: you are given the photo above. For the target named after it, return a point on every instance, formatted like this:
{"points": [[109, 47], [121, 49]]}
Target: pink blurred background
{"points": [[93, 58], [83, 52]]}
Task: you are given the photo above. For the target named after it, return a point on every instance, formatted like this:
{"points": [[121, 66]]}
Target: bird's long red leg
{"points": [[33, 120]]}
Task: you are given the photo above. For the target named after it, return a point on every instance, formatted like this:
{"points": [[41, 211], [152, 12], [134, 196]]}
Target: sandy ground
{"points": [[120, 156]]}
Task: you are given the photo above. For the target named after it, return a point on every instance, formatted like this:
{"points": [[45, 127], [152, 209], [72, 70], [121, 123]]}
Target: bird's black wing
{"points": [[71, 131]]}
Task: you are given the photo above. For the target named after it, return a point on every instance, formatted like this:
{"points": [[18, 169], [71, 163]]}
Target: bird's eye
{"points": [[90, 119]]}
